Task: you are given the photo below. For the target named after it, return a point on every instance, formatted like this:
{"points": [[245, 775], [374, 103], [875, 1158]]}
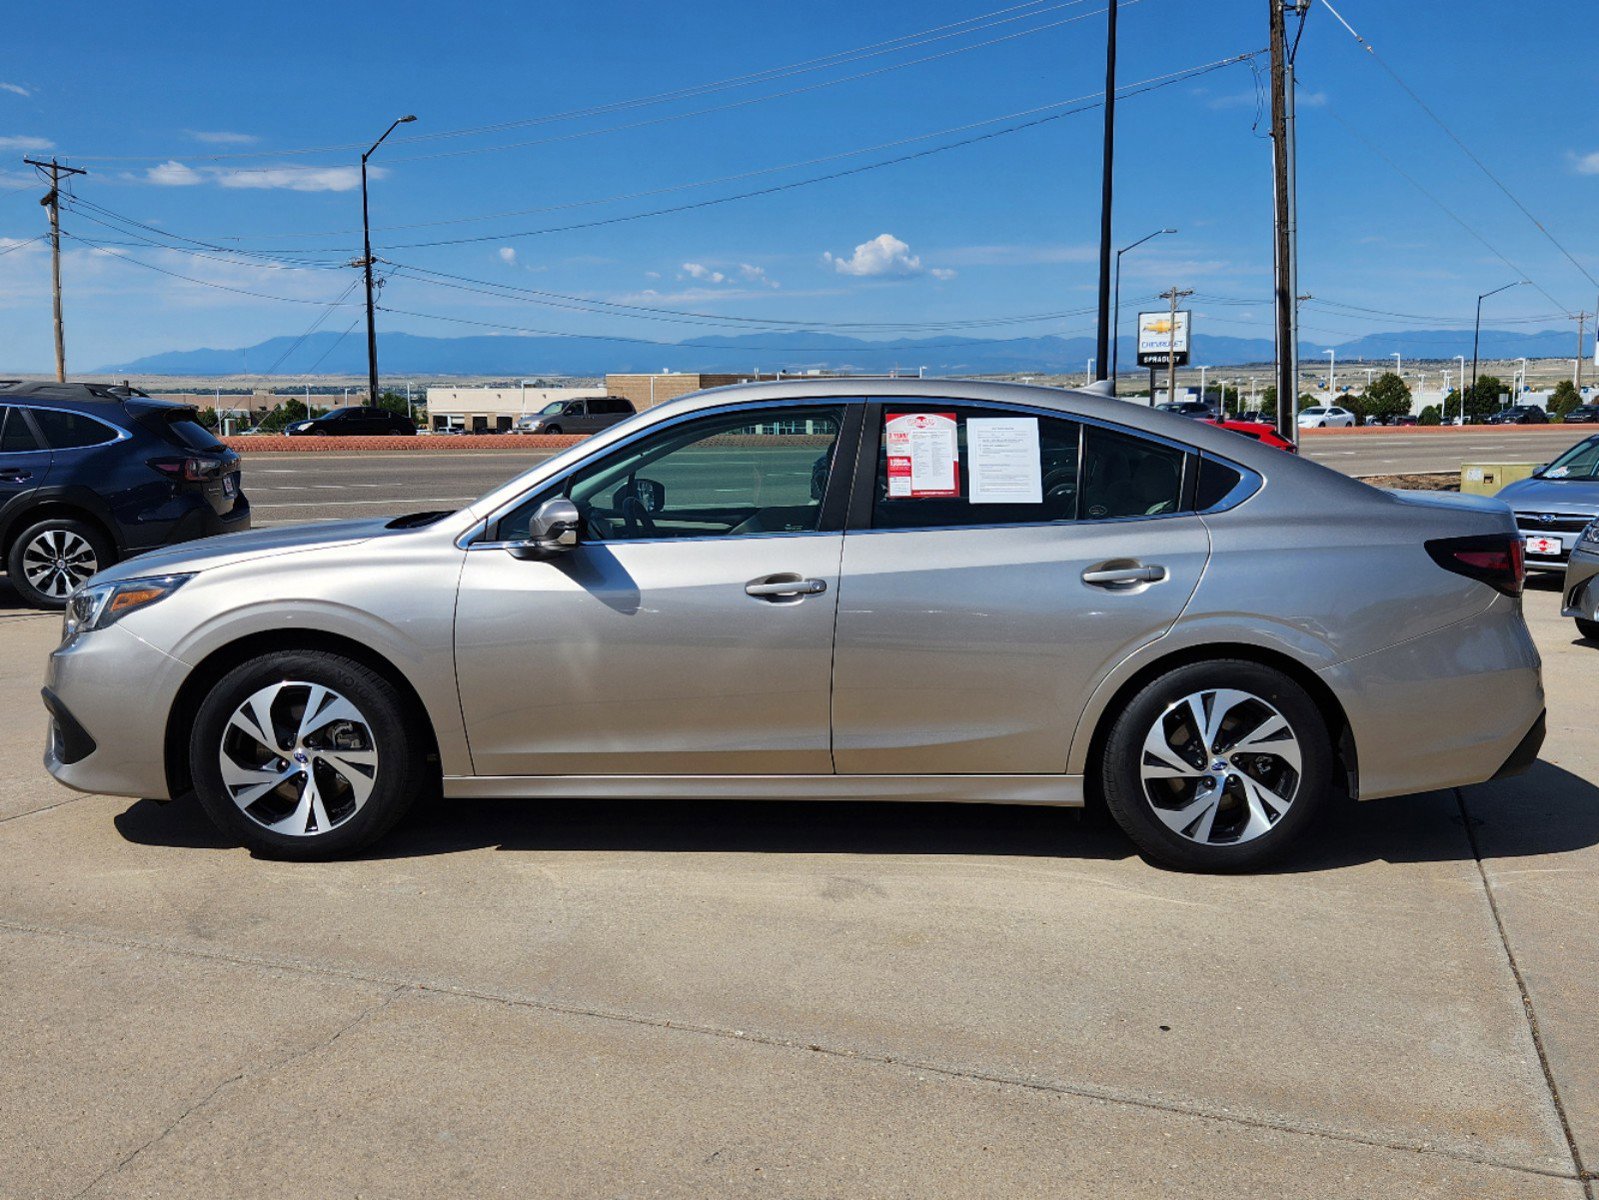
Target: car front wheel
{"points": [[1217, 766], [1588, 629], [307, 755]]}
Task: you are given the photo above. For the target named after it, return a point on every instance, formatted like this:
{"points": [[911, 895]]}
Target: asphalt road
{"points": [[291, 487], [790, 1000]]}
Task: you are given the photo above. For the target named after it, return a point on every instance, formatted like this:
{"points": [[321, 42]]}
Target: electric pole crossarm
{"points": [[52, 203]]}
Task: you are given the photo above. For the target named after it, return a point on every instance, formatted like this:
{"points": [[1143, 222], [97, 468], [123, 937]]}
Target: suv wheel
{"points": [[51, 558], [306, 755], [1217, 766]]}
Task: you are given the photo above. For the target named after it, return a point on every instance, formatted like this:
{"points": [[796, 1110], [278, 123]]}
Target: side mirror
{"points": [[552, 530]]}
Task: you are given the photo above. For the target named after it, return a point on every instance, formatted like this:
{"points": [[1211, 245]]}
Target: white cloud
{"points": [[297, 179], [757, 275], [19, 142], [173, 174], [222, 137], [703, 273], [508, 255], [16, 89], [652, 274], [1586, 164], [885, 256]]}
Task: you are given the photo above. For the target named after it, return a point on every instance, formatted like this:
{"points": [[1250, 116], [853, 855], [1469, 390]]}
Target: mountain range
{"points": [[516, 356]]}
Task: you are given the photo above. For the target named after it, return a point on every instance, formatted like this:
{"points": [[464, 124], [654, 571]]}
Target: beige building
{"points": [[646, 391], [484, 408]]}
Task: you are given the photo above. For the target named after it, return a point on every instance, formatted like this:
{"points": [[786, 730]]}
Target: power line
{"points": [[972, 25], [127, 258], [1154, 84], [25, 242], [314, 326], [1465, 149]]}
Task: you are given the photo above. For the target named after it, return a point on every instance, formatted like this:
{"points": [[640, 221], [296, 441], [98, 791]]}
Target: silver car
{"points": [[1581, 588], [1556, 504], [893, 589]]}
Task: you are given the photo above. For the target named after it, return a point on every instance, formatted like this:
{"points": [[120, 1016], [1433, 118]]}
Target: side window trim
{"points": [[835, 502], [118, 434], [23, 413]]}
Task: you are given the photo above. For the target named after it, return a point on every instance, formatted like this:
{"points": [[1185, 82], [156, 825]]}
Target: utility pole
{"points": [[52, 202], [1173, 295], [1286, 288], [366, 262], [1581, 318], [1102, 354]]}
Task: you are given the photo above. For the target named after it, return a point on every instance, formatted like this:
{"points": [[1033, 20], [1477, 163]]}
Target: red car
{"points": [[1260, 432]]}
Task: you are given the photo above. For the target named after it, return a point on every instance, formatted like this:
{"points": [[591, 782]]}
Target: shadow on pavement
{"points": [[1425, 828]]}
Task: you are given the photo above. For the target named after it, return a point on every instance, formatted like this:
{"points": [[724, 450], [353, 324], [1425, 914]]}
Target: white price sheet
{"points": [[1004, 461]]}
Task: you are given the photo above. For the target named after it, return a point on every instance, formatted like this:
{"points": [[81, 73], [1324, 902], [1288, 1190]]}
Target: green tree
{"points": [[286, 413], [1429, 416], [395, 403], [207, 418], [1386, 398], [1564, 398]]}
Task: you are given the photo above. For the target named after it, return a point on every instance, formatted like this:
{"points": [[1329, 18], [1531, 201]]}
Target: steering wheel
{"points": [[635, 513]]}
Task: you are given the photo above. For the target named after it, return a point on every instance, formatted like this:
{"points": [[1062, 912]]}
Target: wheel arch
{"points": [[206, 674], [1326, 701]]}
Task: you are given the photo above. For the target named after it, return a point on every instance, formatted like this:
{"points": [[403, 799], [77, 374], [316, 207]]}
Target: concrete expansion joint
{"points": [[1580, 1171], [1084, 1091], [274, 1066]]}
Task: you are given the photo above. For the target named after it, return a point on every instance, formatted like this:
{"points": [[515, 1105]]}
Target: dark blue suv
{"points": [[91, 474]]}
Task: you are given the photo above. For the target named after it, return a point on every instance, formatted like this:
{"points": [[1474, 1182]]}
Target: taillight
{"points": [[1497, 559], [190, 470]]}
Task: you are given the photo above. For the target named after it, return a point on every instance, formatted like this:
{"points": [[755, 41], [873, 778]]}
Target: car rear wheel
{"points": [[307, 755], [1217, 766], [552, 429], [51, 558], [1588, 629]]}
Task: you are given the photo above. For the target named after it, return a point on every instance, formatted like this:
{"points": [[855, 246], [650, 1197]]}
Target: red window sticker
{"points": [[923, 455]]}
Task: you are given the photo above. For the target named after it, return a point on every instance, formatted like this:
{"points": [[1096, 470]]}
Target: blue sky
{"points": [[149, 96]]}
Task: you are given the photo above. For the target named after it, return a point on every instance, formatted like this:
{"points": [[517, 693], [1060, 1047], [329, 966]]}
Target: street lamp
{"points": [[1399, 363], [366, 235], [1332, 374], [1461, 359], [1202, 393], [1476, 340], [1116, 318]]}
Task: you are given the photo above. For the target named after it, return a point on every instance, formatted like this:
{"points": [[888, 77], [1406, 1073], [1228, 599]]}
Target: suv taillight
{"points": [[190, 470], [1497, 559]]}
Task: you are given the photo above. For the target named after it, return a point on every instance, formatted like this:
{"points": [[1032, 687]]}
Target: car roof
{"points": [[89, 396]]}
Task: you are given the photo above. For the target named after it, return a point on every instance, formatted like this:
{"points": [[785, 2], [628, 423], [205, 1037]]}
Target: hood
{"points": [[1577, 497], [230, 548]]}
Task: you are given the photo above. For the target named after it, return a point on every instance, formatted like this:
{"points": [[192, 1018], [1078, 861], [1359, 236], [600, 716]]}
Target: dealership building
{"points": [[488, 409]]}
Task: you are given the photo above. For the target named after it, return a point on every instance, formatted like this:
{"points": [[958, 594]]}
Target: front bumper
{"points": [[115, 691], [1581, 588]]}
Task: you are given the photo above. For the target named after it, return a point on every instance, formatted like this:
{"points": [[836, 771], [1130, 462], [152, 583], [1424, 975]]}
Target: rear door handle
{"points": [[1112, 576], [780, 587]]}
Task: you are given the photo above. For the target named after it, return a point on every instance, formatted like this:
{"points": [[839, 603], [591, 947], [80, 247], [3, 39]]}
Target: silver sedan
{"points": [[894, 589]]}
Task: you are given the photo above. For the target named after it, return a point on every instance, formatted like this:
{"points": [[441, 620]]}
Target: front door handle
{"points": [[1123, 576], [14, 474], [784, 587]]}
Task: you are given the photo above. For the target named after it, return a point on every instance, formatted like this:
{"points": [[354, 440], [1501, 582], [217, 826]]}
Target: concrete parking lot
{"points": [[585, 999]]}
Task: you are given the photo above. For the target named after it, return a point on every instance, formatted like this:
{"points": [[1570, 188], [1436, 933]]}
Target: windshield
{"points": [[1580, 462], [337, 413], [553, 407]]}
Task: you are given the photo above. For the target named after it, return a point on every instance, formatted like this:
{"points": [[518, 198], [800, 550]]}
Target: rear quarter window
{"points": [[65, 430], [191, 435]]}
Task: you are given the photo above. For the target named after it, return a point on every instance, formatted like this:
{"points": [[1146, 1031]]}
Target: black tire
{"points": [[553, 429], [1121, 767], [70, 532], [1588, 629], [396, 734]]}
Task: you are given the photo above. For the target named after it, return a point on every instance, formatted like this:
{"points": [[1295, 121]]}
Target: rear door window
{"points": [[1129, 476], [16, 435], [66, 430]]}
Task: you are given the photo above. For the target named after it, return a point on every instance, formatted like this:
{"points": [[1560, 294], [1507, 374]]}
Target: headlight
{"points": [[103, 604], [1590, 535]]}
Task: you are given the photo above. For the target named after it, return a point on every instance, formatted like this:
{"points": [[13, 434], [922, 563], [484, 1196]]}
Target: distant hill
{"points": [[409, 354]]}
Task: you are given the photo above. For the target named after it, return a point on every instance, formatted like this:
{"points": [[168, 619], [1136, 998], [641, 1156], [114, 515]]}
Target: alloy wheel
{"points": [[57, 561], [1220, 767], [298, 758]]}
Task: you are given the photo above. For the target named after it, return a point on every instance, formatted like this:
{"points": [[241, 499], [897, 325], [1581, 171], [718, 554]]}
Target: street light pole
{"points": [[1461, 359], [1107, 180], [1332, 373], [1476, 342], [1399, 363], [1116, 319], [366, 262]]}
